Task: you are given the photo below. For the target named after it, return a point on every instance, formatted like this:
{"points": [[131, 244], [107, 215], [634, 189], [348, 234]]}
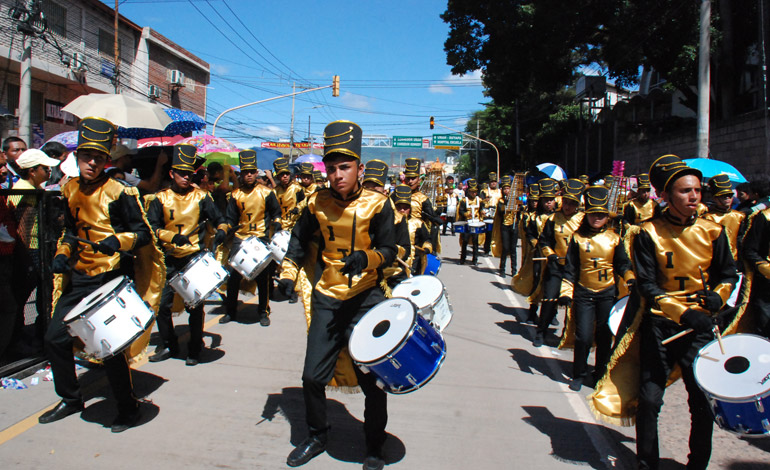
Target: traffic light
{"points": [[432, 123], [336, 86]]}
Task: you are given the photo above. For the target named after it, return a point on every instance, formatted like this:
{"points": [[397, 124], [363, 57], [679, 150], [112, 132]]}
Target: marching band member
{"points": [[375, 176], [306, 179], [319, 179], [553, 241], [469, 210], [419, 237], [595, 255], [670, 253], [721, 212], [358, 240], [421, 206], [397, 273], [641, 207], [104, 211], [756, 253], [177, 215], [290, 194], [505, 229], [490, 196], [451, 210], [525, 282], [251, 211]]}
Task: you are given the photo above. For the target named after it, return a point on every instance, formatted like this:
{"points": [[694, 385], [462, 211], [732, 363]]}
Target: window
{"points": [[55, 17], [107, 43]]}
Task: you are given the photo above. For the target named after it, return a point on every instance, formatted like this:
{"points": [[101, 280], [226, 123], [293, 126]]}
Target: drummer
{"points": [[306, 179], [641, 207], [668, 253], [419, 237], [251, 211], [178, 216], [347, 287], [756, 253], [595, 255], [470, 210], [721, 212], [102, 210], [290, 194], [375, 176]]}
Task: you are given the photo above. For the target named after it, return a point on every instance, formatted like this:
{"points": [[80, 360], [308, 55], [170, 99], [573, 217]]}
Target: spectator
{"points": [[121, 159], [7, 242], [58, 151], [12, 148]]}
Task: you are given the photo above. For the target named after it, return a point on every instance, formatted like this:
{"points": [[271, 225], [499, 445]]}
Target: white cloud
{"points": [[461, 122], [356, 101], [220, 69], [270, 132], [444, 87]]}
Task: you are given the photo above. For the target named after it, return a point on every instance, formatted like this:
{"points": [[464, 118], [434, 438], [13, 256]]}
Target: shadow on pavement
{"points": [[530, 364], [104, 411], [747, 466], [346, 436], [518, 328], [570, 441]]}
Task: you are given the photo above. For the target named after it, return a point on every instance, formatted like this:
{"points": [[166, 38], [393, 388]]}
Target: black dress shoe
{"points": [[576, 384], [191, 361], [374, 462], [304, 452], [264, 320], [161, 355], [226, 319], [60, 411], [294, 298], [126, 420], [538, 340]]}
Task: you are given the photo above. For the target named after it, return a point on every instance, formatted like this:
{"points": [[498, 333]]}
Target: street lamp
{"points": [[434, 123]]}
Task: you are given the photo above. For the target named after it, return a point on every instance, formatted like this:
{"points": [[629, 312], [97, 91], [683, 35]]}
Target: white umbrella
{"points": [[120, 110], [552, 170]]}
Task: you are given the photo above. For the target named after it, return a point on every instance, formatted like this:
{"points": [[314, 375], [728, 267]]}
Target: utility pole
{"points": [[25, 91], [116, 77], [478, 147], [291, 132], [704, 79]]}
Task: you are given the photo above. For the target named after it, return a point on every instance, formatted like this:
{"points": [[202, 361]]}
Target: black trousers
{"points": [[7, 304], [551, 288], [234, 287], [591, 311], [58, 348], [474, 239], [450, 220], [509, 240], [330, 329], [656, 362], [165, 320]]}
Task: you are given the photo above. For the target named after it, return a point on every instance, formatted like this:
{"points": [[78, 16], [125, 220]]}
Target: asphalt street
{"points": [[496, 402]]}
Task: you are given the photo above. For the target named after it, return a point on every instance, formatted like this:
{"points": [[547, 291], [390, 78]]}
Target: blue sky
{"points": [[388, 54]]}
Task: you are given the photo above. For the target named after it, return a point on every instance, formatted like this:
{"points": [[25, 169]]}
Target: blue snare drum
{"points": [[461, 226], [477, 226], [432, 265], [489, 223], [737, 383], [398, 346]]}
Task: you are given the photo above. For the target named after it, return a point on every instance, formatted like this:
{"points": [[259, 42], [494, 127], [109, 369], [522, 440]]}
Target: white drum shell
{"points": [[279, 244], [715, 380], [429, 295], [251, 258], [109, 319], [616, 314], [199, 279]]}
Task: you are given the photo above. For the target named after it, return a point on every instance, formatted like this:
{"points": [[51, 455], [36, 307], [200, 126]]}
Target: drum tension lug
{"points": [[766, 424], [106, 345], [435, 347], [121, 302], [422, 331], [760, 405], [394, 362], [411, 380]]}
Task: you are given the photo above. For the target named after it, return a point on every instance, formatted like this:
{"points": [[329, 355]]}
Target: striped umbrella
{"points": [[552, 170]]}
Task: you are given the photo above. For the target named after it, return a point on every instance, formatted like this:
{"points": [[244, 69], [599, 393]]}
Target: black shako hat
{"points": [[376, 171], [184, 157], [306, 169], [596, 200], [667, 169], [573, 189], [96, 133], [412, 167], [342, 137], [505, 181], [720, 185], [642, 181], [247, 159], [281, 165], [402, 194], [547, 187]]}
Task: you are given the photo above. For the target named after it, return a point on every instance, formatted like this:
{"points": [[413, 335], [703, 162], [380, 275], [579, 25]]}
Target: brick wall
{"points": [[191, 97]]}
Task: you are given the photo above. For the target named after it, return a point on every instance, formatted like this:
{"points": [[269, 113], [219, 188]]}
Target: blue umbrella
{"points": [[552, 170], [181, 123], [266, 157], [711, 168]]}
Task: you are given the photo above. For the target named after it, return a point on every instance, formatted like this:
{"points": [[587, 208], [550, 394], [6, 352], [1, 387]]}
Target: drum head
{"points": [[381, 330], [616, 314], [94, 298], [422, 290], [739, 374]]}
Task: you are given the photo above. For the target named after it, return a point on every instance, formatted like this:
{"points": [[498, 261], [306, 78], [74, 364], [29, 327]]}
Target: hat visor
{"points": [[678, 174], [89, 145], [340, 153]]}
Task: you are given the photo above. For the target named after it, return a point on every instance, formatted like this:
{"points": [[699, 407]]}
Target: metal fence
{"points": [[26, 306]]}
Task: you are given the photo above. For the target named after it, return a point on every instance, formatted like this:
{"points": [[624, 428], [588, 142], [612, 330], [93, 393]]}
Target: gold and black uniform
{"points": [[756, 253], [506, 220], [635, 212], [251, 212], [734, 223], [469, 210], [289, 199]]}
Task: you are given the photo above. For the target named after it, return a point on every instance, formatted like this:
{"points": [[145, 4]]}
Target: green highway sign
{"points": [[447, 141], [407, 141]]}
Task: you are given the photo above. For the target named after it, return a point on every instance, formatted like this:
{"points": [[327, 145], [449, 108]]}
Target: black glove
{"points": [[709, 300], [286, 287], [277, 227], [295, 211], [180, 240], [219, 238], [354, 263], [631, 283], [564, 301], [109, 245], [60, 264], [553, 258], [698, 321]]}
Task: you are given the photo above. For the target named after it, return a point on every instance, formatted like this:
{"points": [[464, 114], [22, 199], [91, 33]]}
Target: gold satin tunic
{"points": [[181, 212], [596, 260], [644, 211], [252, 209], [287, 199], [731, 221], [563, 229]]}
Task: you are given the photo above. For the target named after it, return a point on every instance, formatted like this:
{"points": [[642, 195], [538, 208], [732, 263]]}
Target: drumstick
{"points": [[677, 336], [716, 327], [546, 259], [96, 245], [406, 266]]}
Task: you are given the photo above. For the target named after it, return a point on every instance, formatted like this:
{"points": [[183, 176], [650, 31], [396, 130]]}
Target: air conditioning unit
{"points": [[176, 78], [77, 63], [154, 92]]}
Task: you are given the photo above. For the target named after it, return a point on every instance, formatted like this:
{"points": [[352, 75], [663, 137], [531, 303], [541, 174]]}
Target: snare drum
{"points": [[737, 383], [279, 244], [432, 265], [430, 297], [109, 319], [616, 314], [199, 279], [460, 227], [477, 226], [252, 258], [397, 345], [489, 223]]}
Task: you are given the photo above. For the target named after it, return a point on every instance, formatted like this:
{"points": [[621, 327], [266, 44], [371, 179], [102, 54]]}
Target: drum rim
{"points": [[714, 396], [395, 348], [429, 277], [430, 377], [104, 300]]}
